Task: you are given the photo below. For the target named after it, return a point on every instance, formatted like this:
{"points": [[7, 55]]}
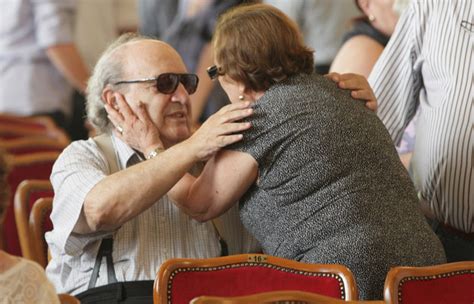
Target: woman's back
{"points": [[331, 188]]}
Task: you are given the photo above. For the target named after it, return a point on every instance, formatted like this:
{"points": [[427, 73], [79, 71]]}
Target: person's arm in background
{"points": [[199, 98], [67, 60], [358, 55], [54, 32]]}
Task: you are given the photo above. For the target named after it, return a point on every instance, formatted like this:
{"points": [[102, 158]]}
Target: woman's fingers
{"points": [[234, 112], [230, 139]]}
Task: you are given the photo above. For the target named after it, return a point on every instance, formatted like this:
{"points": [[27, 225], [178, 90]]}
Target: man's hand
{"points": [[134, 128], [220, 130], [359, 86]]}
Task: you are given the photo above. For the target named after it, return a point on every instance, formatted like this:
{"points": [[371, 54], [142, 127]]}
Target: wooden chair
{"points": [[65, 298], [39, 224], [27, 193], [181, 280], [22, 167], [25, 145], [37, 122], [285, 296], [10, 131], [446, 283]]}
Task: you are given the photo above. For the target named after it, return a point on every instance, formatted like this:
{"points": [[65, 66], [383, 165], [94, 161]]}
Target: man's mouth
{"points": [[177, 115]]}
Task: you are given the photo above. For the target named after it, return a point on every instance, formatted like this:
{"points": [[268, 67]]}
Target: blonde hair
{"points": [[259, 46]]}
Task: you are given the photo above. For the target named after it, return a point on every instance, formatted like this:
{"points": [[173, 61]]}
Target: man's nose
{"points": [[180, 95]]}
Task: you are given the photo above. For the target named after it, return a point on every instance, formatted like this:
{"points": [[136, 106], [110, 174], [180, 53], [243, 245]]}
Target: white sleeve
{"points": [[396, 77], [77, 170], [54, 21]]}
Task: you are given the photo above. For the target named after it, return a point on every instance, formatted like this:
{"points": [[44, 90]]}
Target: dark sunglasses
{"points": [[214, 72], [167, 83]]}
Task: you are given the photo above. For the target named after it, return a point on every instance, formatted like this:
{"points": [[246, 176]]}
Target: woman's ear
{"points": [[250, 95], [364, 6]]}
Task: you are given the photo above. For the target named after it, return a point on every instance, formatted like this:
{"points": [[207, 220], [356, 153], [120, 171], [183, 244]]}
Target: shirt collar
{"points": [[126, 155]]}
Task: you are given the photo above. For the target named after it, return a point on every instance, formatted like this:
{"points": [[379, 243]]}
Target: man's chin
{"points": [[176, 137]]}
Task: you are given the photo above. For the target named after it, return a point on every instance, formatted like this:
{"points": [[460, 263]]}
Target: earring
{"points": [[241, 97], [371, 18]]}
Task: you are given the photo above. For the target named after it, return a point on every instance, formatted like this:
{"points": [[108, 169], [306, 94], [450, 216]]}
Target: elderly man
{"points": [[131, 205]]}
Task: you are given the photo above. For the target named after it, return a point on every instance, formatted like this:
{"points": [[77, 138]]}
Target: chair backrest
{"points": [[22, 167], [36, 122], [40, 223], [446, 283], [25, 145], [285, 296], [181, 280], [10, 131], [65, 298], [27, 193]]}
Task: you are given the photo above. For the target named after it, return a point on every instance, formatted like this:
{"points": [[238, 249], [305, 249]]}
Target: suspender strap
{"points": [[105, 250], [104, 142], [224, 248]]}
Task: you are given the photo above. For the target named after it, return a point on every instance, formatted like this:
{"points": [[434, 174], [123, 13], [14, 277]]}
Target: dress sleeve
{"points": [[257, 140], [54, 21], [78, 169], [396, 77]]}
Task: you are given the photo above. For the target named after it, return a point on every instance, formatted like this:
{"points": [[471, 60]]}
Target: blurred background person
{"points": [[364, 43], [322, 23], [188, 26], [98, 23], [21, 280], [427, 66], [39, 62]]}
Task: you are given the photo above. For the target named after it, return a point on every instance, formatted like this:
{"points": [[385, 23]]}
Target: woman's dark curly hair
{"points": [[258, 45]]}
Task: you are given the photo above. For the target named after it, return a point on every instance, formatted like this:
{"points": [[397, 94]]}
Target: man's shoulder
{"points": [[80, 152]]}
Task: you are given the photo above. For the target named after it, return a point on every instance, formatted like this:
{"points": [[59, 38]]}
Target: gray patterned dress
{"points": [[331, 188]]}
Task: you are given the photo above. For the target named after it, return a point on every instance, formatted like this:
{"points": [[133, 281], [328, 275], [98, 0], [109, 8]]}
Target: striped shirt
{"points": [[428, 65], [140, 246]]}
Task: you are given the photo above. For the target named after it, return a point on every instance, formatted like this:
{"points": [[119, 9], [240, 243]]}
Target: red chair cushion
{"points": [[26, 150], [240, 280], [457, 288]]}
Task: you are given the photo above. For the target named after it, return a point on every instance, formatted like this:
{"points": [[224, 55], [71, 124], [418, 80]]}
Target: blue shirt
{"points": [[29, 83]]}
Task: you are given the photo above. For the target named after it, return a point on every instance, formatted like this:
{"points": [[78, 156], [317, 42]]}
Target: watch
{"points": [[154, 152]]}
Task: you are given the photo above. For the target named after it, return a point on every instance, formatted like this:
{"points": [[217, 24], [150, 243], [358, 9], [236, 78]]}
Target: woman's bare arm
{"points": [[225, 178]]}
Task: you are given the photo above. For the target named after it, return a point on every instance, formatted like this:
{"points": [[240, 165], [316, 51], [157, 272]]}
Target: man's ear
{"points": [[108, 97]]}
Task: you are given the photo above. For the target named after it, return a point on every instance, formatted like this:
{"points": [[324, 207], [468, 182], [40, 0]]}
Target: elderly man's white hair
{"points": [[107, 71]]}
